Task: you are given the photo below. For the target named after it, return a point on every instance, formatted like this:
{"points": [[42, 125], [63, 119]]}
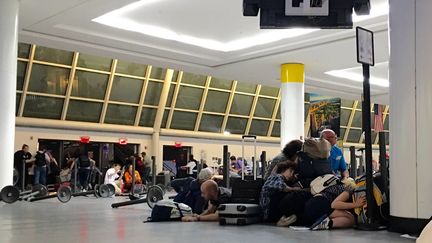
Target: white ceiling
{"points": [[223, 42]]}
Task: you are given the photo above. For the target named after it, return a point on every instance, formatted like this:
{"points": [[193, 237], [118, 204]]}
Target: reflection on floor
{"points": [[93, 220]]}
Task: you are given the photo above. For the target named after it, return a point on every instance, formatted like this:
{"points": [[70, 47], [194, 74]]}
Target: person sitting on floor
{"points": [[273, 192], [128, 179], [189, 190], [289, 153], [215, 196], [112, 176], [343, 213], [320, 204]]}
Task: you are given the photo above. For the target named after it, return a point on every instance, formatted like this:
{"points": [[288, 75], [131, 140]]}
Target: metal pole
{"points": [[226, 167], [366, 119], [383, 162], [263, 163], [133, 176], [353, 163], [153, 170], [76, 175], [23, 175]]}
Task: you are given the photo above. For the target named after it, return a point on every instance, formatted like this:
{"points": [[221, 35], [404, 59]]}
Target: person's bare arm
{"points": [[341, 202]]}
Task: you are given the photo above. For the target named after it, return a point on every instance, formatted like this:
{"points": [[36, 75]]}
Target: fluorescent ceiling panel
{"points": [[355, 74], [119, 19]]}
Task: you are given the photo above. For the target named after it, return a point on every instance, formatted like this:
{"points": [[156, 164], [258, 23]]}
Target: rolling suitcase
{"points": [[247, 189], [239, 214]]}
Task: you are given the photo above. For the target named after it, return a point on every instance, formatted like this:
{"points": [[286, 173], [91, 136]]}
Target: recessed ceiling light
{"points": [[119, 19], [351, 75]]}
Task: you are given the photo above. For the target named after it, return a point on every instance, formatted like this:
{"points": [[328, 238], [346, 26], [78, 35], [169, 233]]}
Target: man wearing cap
{"points": [[337, 159]]}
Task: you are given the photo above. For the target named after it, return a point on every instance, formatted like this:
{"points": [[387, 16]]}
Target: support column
{"points": [[410, 101], [292, 102], [8, 75], [156, 148]]}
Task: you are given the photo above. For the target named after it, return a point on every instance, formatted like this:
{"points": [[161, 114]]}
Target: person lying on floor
{"points": [[189, 190], [273, 198], [342, 211], [215, 196]]}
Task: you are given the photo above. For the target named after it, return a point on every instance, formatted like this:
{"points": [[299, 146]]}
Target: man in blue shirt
{"points": [[337, 159]]}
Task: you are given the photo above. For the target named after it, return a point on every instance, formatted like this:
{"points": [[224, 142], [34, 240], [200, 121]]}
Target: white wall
{"points": [[30, 136], [211, 147], [214, 148]]}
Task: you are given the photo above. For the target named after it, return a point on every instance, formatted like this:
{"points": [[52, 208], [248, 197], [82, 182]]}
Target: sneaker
{"points": [[286, 221], [321, 224]]}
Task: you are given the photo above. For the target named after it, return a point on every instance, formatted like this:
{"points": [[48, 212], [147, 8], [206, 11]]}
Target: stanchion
{"points": [[226, 167], [263, 160], [353, 162]]}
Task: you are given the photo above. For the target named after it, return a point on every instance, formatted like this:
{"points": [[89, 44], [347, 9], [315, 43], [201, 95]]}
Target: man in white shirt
{"points": [[111, 177]]}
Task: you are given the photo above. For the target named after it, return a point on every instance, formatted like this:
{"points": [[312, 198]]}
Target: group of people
{"points": [[285, 198], [121, 176], [42, 168]]}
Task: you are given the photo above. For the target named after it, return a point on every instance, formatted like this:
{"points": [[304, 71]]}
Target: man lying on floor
{"points": [[215, 196]]}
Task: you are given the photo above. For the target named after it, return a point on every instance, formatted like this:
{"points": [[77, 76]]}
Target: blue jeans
{"points": [[40, 174]]}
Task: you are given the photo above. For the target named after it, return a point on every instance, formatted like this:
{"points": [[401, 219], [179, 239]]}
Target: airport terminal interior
{"points": [[210, 121]]}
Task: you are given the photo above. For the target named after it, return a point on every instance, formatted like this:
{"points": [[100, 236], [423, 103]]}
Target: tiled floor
{"points": [[93, 220]]}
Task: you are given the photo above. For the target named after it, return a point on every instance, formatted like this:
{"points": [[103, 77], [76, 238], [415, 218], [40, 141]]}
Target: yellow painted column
{"points": [[292, 102]]}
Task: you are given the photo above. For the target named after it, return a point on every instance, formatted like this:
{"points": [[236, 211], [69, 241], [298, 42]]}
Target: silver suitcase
{"points": [[239, 214]]}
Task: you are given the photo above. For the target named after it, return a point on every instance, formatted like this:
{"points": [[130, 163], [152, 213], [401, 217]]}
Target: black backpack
{"points": [[40, 159], [84, 161], [308, 168]]}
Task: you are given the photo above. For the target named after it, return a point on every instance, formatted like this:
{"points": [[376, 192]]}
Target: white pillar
{"points": [[157, 149], [8, 75], [292, 102], [410, 101]]}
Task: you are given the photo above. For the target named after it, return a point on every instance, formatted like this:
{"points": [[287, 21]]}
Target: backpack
{"points": [[40, 159], [308, 168], [84, 161], [321, 183], [381, 204], [167, 210]]}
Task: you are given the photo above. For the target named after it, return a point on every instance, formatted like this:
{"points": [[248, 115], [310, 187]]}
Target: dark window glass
{"points": [[157, 73], [259, 127], [90, 85], [153, 93], [211, 123], [276, 129], [126, 89], [189, 98], [190, 78], [43, 107], [241, 104], [94, 62], [183, 120], [23, 50], [21, 70], [236, 125], [85, 111], [216, 101], [148, 116], [130, 68], [53, 55], [246, 88], [221, 83], [48, 79], [264, 107], [269, 91], [120, 114]]}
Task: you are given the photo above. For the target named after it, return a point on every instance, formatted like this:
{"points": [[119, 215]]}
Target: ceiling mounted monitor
{"points": [[324, 14]]}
